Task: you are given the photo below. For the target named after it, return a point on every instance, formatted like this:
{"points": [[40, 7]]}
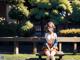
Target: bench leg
{"points": [[60, 57], [40, 57]]}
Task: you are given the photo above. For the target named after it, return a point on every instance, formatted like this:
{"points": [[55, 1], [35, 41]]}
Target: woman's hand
{"points": [[50, 41], [54, 48], [51, 49]]}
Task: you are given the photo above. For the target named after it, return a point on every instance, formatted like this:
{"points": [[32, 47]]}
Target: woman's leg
{"points": [[52, 55], [47, 52]]}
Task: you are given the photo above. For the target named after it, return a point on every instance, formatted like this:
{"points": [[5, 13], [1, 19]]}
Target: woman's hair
{"points": [[49, 24], [52, 24]]}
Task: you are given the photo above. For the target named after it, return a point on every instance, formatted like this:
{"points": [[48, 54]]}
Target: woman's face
{"points": [[50, 28]]}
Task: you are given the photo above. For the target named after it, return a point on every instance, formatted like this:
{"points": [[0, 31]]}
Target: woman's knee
{"points": [[47, 53], [52, 57], [53, 53]]}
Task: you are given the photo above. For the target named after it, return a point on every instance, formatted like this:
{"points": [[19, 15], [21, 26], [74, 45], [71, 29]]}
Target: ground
{"points": [[34, 57]]}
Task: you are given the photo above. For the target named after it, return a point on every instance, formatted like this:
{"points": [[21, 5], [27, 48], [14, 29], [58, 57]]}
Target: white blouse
{"points": [[49, 36]]}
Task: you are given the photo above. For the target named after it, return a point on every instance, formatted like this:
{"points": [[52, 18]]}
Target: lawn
{"points": [[32, 56]]}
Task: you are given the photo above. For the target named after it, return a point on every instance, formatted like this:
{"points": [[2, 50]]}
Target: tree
{"points": [[38, 11], [20, 13], [18, 9], [55, 10], [75, 16], [41, 9]]}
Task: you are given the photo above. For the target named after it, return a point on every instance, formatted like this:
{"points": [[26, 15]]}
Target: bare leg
{"points": [[52, 55], [47, 52]]}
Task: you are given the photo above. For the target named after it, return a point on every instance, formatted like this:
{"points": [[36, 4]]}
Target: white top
{"points": [[49, 36]]}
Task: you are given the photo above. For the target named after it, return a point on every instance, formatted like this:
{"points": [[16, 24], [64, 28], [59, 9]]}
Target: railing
{"points": [[39, 39]]}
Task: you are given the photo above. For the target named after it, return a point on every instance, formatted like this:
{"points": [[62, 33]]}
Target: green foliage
{"points": [[15, 14], [51, 9], [38, 14], [67, 4], [56, 9], [62, 7], [19, 12], [7, 29], [15, 2], [75, 17], [38, 1], [26, 29], [23, 9], [44, 5], [27, 26], [39, 10]]}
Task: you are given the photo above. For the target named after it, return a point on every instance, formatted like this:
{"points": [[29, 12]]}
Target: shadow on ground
{"points": [[37, 59]]}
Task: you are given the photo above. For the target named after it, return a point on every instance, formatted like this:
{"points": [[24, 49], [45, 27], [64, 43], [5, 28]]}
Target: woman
{"points": [[51, 41]]}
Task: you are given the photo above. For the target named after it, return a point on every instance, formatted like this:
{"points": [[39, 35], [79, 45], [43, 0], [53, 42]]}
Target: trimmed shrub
{"points": [[70, 32]]}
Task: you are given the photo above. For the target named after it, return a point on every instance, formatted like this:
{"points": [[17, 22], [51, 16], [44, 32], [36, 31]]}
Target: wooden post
{"points": [[60, 46], [16, 47], [34, 48], [75, 47]]}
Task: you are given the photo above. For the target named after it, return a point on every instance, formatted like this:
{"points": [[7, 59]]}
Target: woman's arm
{"points": [[55, 43]]}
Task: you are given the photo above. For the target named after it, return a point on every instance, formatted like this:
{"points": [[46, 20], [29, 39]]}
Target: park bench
{"points": [[59, 53]]}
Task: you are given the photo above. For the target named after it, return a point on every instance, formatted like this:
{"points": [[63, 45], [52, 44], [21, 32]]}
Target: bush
{"points": [[7, 29], [70, 32]]}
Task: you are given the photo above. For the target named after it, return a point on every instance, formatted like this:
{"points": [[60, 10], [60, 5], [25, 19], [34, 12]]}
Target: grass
{"points": [[71, 57], [29, 56]]}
